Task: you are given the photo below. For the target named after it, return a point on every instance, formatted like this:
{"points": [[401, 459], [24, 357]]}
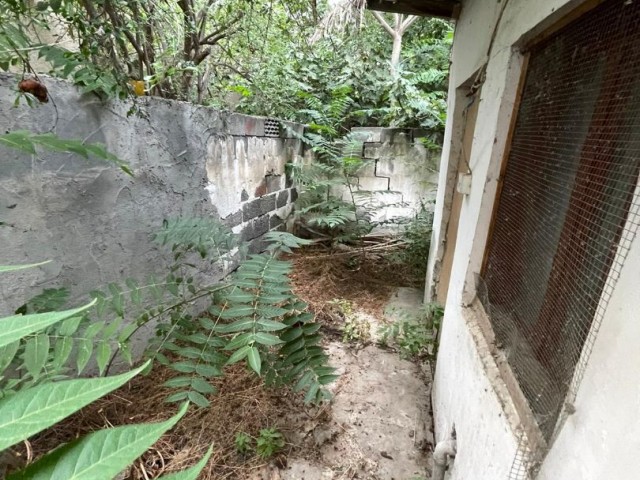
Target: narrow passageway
{"points": [[379, 424]]}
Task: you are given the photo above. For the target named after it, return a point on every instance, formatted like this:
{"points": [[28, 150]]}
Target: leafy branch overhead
{"points": [[28, 141]]}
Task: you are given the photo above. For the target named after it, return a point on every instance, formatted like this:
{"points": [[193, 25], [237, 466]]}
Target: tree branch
{"points": [[378, 16], [408, 22]]}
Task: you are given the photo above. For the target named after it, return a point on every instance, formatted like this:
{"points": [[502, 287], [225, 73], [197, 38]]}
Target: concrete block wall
{"points": [[399, 170], [93, 221]]}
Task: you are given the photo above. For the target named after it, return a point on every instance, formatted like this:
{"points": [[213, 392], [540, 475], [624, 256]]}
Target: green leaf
{"points": [[202, 386], [184, 367], [85, 349], [253, 356], [178, 382], [176, 397], [270, 325], [126, 332], [198, 399], [267, 339], [103, 354], [12, 268], [190, 473], [291, 334], [312, 393], [19, 326], [208, 371], [7, 353], [32, 410], [61, 351], [236, 312], [101, 454], [240, 341], [69, 326], [36, 351], [293, 346], [93, 329], [327, 379], [239, 355], [237, 326]]}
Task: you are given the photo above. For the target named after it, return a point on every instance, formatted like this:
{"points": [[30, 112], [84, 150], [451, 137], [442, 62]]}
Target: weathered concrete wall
{"points": [[93, 221], [400, 170]]}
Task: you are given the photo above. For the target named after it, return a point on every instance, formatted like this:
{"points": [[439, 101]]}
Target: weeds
{"points": [[269, 442], [415, 339]]}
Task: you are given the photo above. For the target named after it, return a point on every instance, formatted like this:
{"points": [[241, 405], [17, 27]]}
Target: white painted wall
{"points": [[602, 438]]}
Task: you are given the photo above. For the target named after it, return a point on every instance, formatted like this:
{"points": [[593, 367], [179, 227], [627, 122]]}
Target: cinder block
{"points": [[259, 206], [244, 125], [233, 220], [372, 150], [275, 221], [283, 198], [255, 228], [385, 167]]}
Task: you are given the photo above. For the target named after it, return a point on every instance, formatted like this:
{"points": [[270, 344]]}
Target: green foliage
{"points": [[252, 317], [243, 442], [329, 202], [415, 338], [28, 141], [269, 442], [251, 55], [102, 454], [255, 319], [355, 329], [417, 236]]}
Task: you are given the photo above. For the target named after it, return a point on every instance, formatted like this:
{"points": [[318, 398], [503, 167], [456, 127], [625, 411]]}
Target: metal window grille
{"points": [[569, 204]]}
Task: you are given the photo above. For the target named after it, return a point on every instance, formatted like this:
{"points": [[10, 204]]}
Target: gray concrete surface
{"points": [[93, 221], [380, 424]]}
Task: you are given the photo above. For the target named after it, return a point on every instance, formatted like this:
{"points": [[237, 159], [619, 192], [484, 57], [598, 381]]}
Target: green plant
{"points": [[269, 442], [28, 141], [415, 338], [330, 202], [102, 454], [417, 236], [243, 442]]}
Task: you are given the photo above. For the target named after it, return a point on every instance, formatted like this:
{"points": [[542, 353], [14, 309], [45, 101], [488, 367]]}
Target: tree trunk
{"points": [[395, 53]]}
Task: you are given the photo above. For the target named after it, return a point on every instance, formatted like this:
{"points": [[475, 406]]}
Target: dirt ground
{"points": [[377, 425]]}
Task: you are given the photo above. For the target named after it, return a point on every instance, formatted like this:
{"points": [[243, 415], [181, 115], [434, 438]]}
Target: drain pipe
{"points": [[444, 450]]}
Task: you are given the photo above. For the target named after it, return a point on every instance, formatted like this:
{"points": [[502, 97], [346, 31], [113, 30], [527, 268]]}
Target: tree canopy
{"points": [[259, 57]]}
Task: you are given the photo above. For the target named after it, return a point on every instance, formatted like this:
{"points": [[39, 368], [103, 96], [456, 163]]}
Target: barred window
{"points": [[568, 204]]}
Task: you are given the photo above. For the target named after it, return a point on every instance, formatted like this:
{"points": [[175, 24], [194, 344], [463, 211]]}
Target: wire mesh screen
{"points": [[569, 203]]}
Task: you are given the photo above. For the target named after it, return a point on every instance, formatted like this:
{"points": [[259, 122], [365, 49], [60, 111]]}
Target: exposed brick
{"points": [[233, 220], [244, 196], [294, 195], [283, 198], [258, 207], [257, 245], [255, 228], [275, 221]]}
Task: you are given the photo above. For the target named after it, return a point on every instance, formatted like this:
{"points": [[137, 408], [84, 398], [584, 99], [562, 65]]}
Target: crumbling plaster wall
{"points": [[93, 221], [399, 170]]}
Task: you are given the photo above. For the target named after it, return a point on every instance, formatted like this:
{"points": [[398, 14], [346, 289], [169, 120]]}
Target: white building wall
{"points": [[468, 390]]}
